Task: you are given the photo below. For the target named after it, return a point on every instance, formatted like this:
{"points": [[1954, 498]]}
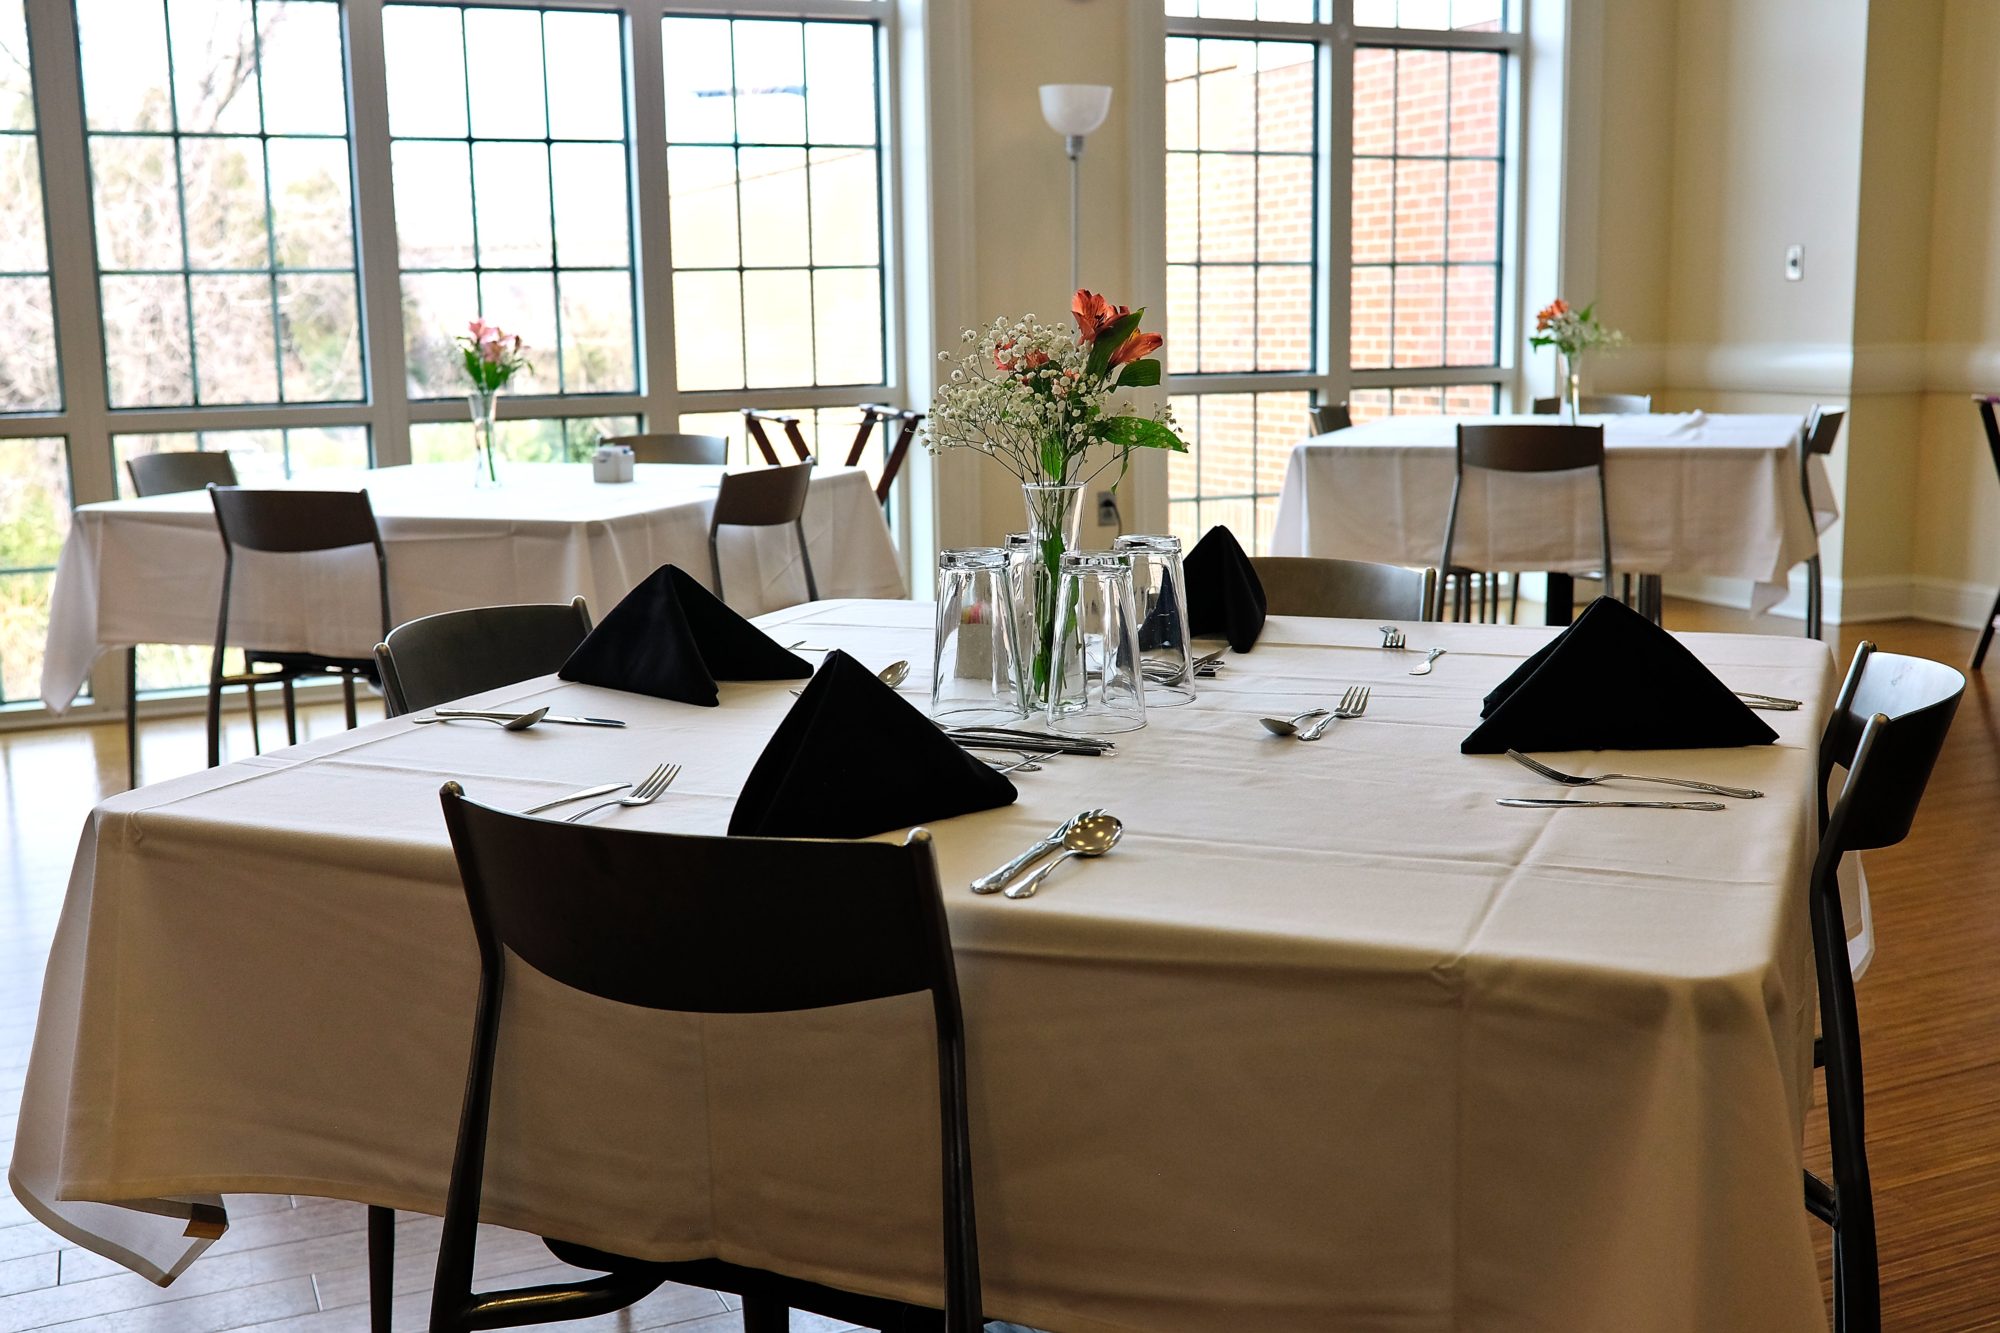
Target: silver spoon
{"points": [[894, 674], [1093, 835], [521, 723], [1279, 726], [1430, 660]]}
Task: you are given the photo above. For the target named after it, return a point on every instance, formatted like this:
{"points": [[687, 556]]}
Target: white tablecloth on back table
{"points": [[150, 571], [1331, 1041], [1690, 493]]}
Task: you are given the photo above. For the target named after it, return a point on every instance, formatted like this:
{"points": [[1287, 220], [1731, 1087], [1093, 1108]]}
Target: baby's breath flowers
{"points": [[1038, 397]]}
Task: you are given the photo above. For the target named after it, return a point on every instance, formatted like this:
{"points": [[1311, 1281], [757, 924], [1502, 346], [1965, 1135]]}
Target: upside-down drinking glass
{"points": [[1159, 593], [1095, 684], [976, 658]]}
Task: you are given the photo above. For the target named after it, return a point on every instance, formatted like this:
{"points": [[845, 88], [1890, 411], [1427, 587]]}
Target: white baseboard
{"points": [[1856, 601]]}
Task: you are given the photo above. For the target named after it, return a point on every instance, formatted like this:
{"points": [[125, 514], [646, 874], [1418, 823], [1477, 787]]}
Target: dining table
{"points": [[1331, 1040], [149, 570], [1689, 493]]}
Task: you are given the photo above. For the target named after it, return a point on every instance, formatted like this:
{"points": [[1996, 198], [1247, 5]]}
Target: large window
{"points": [[1409, 105], [268, 219]]}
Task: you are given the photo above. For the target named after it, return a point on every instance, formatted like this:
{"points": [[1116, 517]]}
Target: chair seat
{"points": [[310, 664], [875, 1312]]}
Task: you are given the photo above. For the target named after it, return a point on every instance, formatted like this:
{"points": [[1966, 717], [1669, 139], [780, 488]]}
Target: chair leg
{"points": [[215, 710], [1815, 591], [805, 558], [347, 698], [381, 1267], [131, 717], [764, 1314], [1986, 636], [1514, 601], [250, 702], [291, 711]]}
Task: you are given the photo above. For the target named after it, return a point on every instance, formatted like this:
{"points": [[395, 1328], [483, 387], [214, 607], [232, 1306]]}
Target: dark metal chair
{"points": [[862, 921], [1600, 405], [1310, 586], [893, 452], [675, 448], [433, 660], [290, 522], [753, 426], [1888, 726], [163, 474], [1822, 428], [1330, 417], [765, 498], [1987, 402], [1522, 448]]}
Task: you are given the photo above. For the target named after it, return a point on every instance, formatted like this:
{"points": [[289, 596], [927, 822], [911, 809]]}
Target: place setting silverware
{"points": [[649, 790], [1521, 803], [601, 789], [1088, 833], [892, 675], [1430, 660], [1579, 780], [1769, 702], [1393, 637], [513, 721], [1208, 665], [1352, 704]]}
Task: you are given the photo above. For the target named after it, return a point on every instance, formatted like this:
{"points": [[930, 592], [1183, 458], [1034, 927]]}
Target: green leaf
{"points": [[1053, 460], [1110, 340], [1140, 374], [1130, 432]]}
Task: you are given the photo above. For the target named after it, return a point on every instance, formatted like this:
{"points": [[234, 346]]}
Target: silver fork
{"points": [[645, 793], [1575, 780], [1393, 637], [1352, 704]]}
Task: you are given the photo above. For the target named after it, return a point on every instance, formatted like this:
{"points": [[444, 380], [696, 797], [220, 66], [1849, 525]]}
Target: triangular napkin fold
{"points": [[853, 759], [672, 638], [1224, 594], [1614, 681]]}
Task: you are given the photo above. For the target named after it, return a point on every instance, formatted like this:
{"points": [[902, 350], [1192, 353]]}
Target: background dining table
{"points": [[1690, 493], [150, 570], [1331, 1039]]}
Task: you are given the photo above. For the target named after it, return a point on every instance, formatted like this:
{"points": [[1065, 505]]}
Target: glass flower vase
{"points": [[1572, 387], [485, 405], [1054, 511]]}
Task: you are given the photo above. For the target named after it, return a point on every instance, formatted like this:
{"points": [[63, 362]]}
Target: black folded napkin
{"points": [[1614, 681], [672, 638], [1161, 629], [1224, 594], [853, 759]]}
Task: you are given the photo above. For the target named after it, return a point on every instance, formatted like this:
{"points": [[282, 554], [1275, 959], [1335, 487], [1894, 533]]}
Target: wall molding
{"points": [[1825, 370], [1855, 601]]}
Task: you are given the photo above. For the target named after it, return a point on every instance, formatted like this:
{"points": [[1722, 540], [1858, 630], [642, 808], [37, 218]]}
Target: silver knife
{"points": [[502, 713], [583, 795], [1552, 803]]}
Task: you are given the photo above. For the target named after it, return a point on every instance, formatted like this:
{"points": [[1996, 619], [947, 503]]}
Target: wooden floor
{"points": [[1930, 1010]]}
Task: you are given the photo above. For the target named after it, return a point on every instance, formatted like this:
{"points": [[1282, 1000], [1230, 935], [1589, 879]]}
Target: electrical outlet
{"points": [[1795, 262], [1107, 509]]}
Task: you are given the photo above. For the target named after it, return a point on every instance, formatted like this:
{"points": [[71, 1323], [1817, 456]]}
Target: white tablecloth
{"points": [[1330, 1041], [1689, 493], [150, 571]]}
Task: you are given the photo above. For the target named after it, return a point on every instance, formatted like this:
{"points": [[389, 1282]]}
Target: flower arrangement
{"points": [[1039, 397], [1572, 332], [492, 355]]}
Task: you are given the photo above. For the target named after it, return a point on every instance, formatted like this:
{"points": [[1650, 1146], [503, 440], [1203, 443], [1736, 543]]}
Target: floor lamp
{"points": [[1075, 110]]}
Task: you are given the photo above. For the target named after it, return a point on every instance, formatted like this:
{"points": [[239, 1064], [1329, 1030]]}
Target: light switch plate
{"points": [[1795, 262]]}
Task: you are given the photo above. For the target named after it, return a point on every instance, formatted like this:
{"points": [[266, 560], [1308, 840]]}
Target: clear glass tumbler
{"points": [[1096, 685], [976, 658], [1159, 590]]}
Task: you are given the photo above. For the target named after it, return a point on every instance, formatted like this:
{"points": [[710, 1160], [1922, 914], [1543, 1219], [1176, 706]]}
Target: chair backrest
{"points": [[709, 925], [675, 448], [1525, 448], [765, 497], [274, 520], [1310, 586], [1987, 403], [753, 426], [173, 472], [1888, 727], [439, 658], [1330, 417], [893, 451], [1600, 405], [1822, 428]]}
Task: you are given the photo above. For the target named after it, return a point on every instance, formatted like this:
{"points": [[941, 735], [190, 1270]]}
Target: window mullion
{"points": [[652, 205], [388, 411]]}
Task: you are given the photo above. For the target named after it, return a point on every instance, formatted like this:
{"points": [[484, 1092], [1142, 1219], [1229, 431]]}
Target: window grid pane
{"points": [[513, 208], [222, 201], [774, 168], [29, 379], [1426, 196], [1239, 445], [528, 440]]}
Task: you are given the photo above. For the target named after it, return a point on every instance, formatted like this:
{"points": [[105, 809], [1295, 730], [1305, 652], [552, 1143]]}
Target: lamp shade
{"points": [[1075, 108]]}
